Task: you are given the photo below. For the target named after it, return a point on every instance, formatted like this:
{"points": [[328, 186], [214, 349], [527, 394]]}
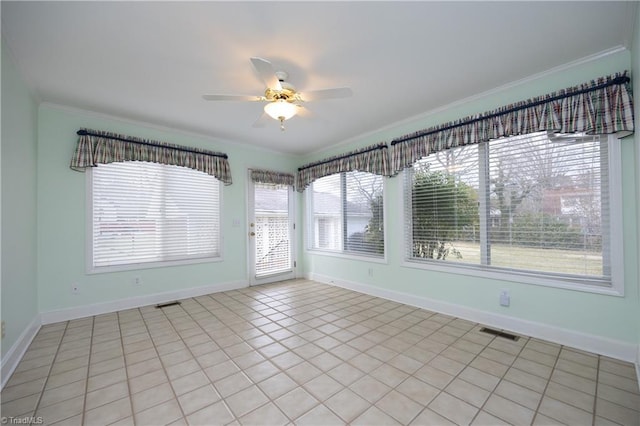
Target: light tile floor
{"points": [[311, 354]]}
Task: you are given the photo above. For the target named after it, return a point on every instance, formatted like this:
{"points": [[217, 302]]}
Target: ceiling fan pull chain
{"points": [[282, 124]]}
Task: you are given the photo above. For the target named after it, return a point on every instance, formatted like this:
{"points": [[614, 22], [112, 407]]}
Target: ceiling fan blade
{"points": [[232, 98], [267, 73], [261, 121], [338, 92], [303, 112]]}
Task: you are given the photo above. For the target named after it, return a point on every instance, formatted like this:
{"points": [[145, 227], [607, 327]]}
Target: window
{"points": [[151, 214], [533, 204], [346, 214]]}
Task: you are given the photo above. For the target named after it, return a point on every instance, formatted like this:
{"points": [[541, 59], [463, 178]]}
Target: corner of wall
{"points": [[19, 207], [15, 353]]}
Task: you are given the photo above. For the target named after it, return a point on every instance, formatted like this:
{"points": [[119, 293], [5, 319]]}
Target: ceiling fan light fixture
{"points": [[280, 110]]}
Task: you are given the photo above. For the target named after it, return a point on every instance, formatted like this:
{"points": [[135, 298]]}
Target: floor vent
{"points": [[500, 333], [164, 305]]}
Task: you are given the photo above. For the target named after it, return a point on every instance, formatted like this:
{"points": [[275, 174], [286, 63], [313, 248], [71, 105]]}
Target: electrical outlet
{"points": [[3, 329], [505, 298], [137, 281], [75, 288]]}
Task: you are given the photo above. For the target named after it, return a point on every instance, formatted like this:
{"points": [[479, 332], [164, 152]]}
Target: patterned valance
{"points": [[373, 159], [599, 107], [96, 147], [271, 177]]}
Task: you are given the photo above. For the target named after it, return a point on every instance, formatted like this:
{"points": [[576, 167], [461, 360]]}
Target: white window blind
{"points": [[143, 213], [346, 213], [530, 203]]}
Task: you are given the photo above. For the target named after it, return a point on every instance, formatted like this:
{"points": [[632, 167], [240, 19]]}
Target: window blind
{"points": [[444, 205], [145, 212], [347, 213], [534, 203]]}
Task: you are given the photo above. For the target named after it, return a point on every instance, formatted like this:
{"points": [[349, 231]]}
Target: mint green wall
{"points": [[608, 316], [19, 138], [61, 216]]}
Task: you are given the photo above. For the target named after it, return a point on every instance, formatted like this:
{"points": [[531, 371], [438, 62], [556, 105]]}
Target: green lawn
{"points": [[547, 260]]}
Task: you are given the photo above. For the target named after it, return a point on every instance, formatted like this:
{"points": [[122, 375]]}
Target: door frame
{"points": [[251, 267]]}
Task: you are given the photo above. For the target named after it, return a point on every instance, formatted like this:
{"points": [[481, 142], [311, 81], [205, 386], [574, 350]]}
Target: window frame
{"points": [[344, 254], [615, 287], [90, 269]]}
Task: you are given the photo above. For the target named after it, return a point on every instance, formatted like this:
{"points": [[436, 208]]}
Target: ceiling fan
{"points": [[283, 100]]}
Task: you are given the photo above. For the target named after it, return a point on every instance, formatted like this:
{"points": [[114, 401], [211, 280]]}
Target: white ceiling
{"points": [[152, 61]]}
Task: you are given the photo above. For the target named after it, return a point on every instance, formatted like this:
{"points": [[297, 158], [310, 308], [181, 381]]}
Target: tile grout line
{"points": [[595, 398], [323, 297], [440, 391], [222, 399], [546, 386], [409, 375], [281, 370], [393, 388], [162, 363], [501, 379], [597, 368], [126, 370], [366, 373], [86, 385], [439, 353], [268, 359], [195, 321], [343, 361], [53, 361], [457, 376], [124, 354]]}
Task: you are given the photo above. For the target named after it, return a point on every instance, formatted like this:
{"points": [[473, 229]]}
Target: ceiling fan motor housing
{"points": [[286, 93]]}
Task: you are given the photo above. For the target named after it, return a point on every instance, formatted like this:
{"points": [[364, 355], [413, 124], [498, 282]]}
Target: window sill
{"points": [[567, 283], [151, 265]]}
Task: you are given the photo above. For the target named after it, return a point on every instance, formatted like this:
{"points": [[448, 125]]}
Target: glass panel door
{"points": [[270, 233]]}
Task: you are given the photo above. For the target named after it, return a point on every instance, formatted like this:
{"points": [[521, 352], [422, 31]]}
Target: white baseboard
{"points": [[624, 351], [136, 302], [15, 353]]}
